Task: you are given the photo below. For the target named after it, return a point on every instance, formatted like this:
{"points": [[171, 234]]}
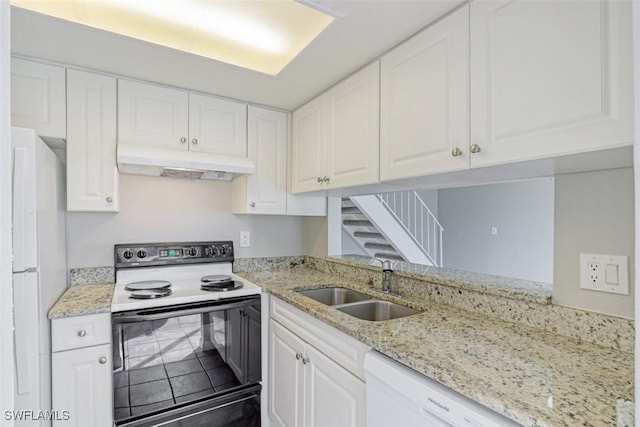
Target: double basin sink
{"points": [[358, 305]]}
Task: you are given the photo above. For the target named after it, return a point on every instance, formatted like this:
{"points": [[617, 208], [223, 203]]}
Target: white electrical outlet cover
{"points": [[593, 273]]}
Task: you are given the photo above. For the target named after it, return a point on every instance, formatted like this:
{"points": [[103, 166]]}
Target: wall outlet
{"points": [[245, 239], [604, 273]]}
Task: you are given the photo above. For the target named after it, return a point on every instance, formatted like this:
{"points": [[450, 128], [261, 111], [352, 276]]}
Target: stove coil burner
{"points": [[150, 293], [219, 283], [149, 289]]}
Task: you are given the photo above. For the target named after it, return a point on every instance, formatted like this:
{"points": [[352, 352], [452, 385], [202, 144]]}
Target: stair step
{"points": [[368, 235], [357, 222], [350, 209], [348, 204], [379, 246], [384, 255]]}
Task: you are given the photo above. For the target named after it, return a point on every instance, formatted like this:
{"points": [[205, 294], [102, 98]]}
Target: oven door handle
{"points": [[158, 314]]}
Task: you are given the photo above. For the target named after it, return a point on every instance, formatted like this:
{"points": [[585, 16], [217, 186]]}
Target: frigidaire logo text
{"points": [[438, 404]]}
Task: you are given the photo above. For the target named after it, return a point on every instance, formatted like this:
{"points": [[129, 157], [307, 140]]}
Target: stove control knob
{"points": [[128, 254], [142, 253], [192, 251], [228, 250], [211, 251], [222, 250]]}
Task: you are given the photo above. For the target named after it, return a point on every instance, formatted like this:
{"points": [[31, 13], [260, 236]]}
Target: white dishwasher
{"points": [[399, 396]]}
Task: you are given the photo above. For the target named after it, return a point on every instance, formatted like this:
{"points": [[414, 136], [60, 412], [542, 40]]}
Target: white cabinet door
{"points": [[308, 146], [285, 377], [82, 385], [549, 78], [92, 174], [353, 138], [152, 115], [264, 192], [217, 126], [333, 397], [38, 98], [424, 101]]}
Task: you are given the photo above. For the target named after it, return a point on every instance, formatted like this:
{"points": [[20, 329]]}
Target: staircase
{"points": [[395, 226], [365, 233]]}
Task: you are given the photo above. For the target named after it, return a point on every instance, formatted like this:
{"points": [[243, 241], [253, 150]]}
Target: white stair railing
{"points": [[418, 220]]}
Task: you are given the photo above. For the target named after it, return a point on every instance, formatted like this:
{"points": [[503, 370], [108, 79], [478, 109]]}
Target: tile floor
{"points": [[166, 364]]}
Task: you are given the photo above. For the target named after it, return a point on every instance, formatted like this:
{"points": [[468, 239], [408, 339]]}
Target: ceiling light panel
{"points": [[261, 35]]}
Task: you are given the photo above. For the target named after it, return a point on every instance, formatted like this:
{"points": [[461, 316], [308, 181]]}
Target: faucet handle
{"points": [[386, 264]]}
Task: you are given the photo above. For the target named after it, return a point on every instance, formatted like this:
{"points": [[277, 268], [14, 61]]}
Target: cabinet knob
{"points": [[456, 152], [298, 356], [109, 199], [102, 360], [253, 204], [305, 360], [183, 140], [82, 333], [194, 141], [475, 148], [320, 179], [325, 179]]}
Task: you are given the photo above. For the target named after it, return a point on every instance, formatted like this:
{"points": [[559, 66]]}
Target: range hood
{"points": [[152, 161]]}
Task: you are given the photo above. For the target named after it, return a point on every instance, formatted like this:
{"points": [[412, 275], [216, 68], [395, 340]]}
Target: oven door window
{"points": [[167, 358]]}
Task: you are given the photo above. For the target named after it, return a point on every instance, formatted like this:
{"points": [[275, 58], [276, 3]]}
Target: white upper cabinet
{"points": [[336, 136], [264, 192], [217, 126], [38, 98], [308, 147], [152, 115], [174, 119], [549, 78], [92, 174], [424, 101], [353, 129]]}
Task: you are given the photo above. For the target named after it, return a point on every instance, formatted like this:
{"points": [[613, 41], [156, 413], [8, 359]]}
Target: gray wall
{"points": [[523, 214], [349, 246], [430, 198], [316, 236], [594, 214], [164, 209]]}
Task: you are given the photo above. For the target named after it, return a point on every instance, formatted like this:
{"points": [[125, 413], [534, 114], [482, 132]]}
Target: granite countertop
{"points": [[81, 300], [528, 290], [533, 377]]}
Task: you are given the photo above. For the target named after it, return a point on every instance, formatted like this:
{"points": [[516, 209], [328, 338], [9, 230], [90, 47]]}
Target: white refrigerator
{"points": [[39, 265]]}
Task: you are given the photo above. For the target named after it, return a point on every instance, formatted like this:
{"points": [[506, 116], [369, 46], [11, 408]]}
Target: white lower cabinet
{"points": [[81, 371], [307, 386]]}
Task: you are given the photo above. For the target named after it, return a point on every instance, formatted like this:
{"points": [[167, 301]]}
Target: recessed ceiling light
{"points": [[261, 35]]}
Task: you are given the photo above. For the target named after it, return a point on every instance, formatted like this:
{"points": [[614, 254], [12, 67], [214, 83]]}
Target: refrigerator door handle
{"points": [[24, 206]]}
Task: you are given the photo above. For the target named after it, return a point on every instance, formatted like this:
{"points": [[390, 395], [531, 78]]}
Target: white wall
{"points": [[594, 214], [349, 246], [521, 211], [164, 209], [636, 158], [6, 283]]}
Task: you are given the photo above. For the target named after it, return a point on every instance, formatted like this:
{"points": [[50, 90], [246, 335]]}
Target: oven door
{"points": [[186, 364]]}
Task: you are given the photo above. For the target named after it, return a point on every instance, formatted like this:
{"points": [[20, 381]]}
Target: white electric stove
{"points": [[176, 271]]}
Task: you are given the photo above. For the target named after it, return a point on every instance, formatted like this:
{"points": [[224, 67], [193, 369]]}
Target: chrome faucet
{"points": [[387, 272]]}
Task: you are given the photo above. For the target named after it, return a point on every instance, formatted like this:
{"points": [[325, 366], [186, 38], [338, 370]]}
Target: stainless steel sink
{"points": [[377, 310], [335, 296]]}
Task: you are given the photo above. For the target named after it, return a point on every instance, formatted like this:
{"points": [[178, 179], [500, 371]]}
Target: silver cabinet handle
{"points": [[305, 360], [456, 152], [102, 360], [253, 204], [183, 140], [475, 148], [109, 199], [82, 333], [320, 179], [194, 141], [298, 356], [325, 179]]}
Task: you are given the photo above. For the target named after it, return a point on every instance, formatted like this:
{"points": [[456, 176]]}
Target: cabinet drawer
{"points": [[81, 331], [346, 351]]}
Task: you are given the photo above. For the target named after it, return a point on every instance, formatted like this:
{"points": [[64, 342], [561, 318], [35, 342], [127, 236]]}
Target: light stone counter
{"points": [[534, 377], [81, 300]]}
